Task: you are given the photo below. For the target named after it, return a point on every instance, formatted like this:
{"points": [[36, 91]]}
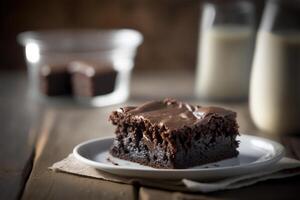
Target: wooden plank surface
{"points": [[62, 127], [154, 194], [17, 135]]}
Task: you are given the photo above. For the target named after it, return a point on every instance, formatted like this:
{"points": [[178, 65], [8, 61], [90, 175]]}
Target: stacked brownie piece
{"points": [[89, 79], [173, 134], [55, 80], [82, 79]]}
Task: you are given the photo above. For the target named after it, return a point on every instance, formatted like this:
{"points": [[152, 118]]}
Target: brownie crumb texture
{"points": [[173, 134]]}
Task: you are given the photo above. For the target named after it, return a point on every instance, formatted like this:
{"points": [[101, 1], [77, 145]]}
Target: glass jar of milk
{"points": [[275, 78], [225, 51]]}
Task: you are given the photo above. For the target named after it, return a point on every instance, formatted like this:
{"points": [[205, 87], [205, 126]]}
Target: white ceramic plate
{"points": [[255, 154]]}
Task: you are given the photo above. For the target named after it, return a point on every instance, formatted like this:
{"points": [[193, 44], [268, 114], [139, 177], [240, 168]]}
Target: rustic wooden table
{"points": [[34, 136]]}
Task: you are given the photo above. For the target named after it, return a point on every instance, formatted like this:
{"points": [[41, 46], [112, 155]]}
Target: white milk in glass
{"points": [[224, 62], [275, 82]]}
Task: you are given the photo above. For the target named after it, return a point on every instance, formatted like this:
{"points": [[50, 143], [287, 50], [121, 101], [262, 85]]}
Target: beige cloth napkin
{"points": [[286, 167]]}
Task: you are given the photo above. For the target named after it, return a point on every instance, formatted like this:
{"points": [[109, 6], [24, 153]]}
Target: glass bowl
{"points": [[51, 47]]}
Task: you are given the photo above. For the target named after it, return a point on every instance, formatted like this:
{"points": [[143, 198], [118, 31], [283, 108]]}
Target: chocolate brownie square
{"points": [[55, 80], [173, 134], [92, 79]]}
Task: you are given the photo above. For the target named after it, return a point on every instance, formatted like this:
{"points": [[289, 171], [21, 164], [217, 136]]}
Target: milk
{"points": [[275, 83], [224, 62]]}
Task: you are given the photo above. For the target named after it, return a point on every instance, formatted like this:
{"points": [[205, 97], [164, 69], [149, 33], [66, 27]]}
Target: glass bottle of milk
{"points": [[275, 77], [225, 51]]}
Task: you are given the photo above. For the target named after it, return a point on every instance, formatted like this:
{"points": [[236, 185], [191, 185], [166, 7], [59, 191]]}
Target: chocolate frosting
{"points": [[174, 114]]}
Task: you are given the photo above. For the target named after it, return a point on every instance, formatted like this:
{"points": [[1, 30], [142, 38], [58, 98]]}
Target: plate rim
{"points": [[279, 153]]}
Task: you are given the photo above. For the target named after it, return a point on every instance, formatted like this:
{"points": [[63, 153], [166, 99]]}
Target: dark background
{"points": [[170, 27]]}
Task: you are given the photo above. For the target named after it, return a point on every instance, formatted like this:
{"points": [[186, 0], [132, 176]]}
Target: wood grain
{"points": [[154, 194], [62, 129], [17, 133]]}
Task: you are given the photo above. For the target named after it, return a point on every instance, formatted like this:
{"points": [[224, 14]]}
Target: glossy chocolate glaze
{"points": [[172, 134], [174, 114]]}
